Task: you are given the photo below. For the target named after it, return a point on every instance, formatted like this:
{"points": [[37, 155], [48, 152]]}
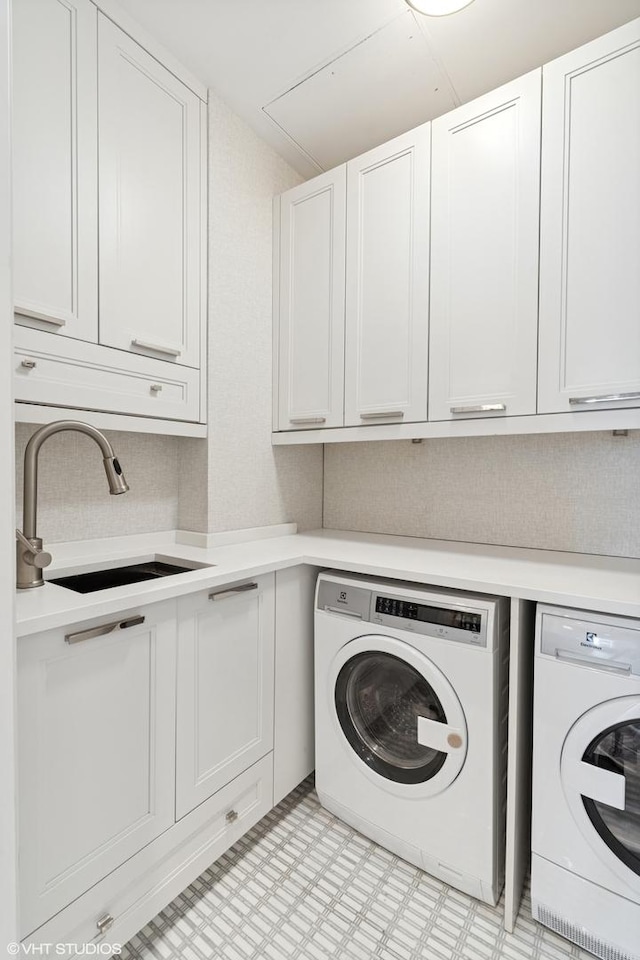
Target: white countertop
{"points": [[604, 584]]}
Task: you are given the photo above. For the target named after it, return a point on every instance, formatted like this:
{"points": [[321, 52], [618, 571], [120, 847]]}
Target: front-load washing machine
{"points": [[410, 692], [585, 871]]}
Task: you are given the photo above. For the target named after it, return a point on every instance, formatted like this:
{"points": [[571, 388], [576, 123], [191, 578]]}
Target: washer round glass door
{"points": [[601, 777], [398, 713]]}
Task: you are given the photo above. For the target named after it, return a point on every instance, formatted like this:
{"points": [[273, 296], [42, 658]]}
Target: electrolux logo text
{"points": [[591, 642]]}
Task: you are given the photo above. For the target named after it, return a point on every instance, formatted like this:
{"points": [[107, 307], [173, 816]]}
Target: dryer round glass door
{"points": [[398, 713], [617, 750], [600, 769]]}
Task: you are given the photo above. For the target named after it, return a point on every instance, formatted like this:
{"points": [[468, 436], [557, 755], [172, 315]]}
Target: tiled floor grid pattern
{"points": [[304, 886]]}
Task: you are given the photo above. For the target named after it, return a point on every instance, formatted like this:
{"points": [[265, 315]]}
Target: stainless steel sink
{"points": [[120, 576]]}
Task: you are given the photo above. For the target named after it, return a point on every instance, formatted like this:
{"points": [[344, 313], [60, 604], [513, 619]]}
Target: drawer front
{"points": [[91, 377], [140, 888]]}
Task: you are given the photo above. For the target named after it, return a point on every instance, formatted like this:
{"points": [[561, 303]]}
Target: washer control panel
{"points": [[431, 615], [450, 621]]}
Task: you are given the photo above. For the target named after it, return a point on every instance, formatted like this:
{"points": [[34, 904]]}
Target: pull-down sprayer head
{"points": [[115, 476]]}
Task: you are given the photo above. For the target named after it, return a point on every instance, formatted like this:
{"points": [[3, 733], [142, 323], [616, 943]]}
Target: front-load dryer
{"points": [[410, 693], [585, 872]]}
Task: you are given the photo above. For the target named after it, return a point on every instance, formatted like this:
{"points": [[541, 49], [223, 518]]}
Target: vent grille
{"points": [[581, 936]]}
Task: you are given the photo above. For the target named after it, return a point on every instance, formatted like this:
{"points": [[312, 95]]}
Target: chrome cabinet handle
{"points": [[307, 419], [158, 347], [480, 408], [155, 387], [34, 315], [231, 816], [105, 922], [606, 398], [232, 591], [380, 414], [103, 630], [28, 364]]}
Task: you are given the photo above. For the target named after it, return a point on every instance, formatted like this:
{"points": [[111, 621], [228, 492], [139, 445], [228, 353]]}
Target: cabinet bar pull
{"points": [[158, 347], [155, 387], [607, 398], [307, 419], [380, 414], [103, 630], [232, 591], [231, 816], [28, 364], [480, 408], [34, 315], [104, 923]]}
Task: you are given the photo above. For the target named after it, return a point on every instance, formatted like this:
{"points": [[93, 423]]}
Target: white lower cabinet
{"points": [[225, 686], [294, 741], [134, 893], [146, 749], [96, 720]]}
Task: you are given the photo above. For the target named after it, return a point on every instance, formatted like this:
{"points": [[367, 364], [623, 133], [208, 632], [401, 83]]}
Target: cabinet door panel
{"points": [[311, 328], [484, 254], [55, 166], [149, 151], [387, 301], [225, 688], [96, 755], [590, 225]]}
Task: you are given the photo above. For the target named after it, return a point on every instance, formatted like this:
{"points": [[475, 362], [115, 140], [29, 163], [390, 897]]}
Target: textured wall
{"points": [[577, 492], [74, 501], [248, 482]]}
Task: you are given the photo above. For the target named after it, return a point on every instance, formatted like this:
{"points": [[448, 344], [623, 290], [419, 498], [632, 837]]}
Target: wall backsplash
{"points": [[73, 497], [575, 492]]}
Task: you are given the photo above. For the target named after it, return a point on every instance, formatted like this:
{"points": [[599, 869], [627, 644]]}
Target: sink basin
{"points": [[121, 576]]}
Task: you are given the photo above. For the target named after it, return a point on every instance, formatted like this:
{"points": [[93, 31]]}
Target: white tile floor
{"points": [[303, 886]]}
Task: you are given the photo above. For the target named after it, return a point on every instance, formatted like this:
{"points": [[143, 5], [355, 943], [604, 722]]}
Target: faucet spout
{"points": [[29, 562]]}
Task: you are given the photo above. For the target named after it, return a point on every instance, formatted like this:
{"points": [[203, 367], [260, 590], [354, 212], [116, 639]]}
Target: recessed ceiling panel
{"points": [[383, 86], [493, 41]]}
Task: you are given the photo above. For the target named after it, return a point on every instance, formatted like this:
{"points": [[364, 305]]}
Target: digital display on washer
{"points": [[420, 611]]}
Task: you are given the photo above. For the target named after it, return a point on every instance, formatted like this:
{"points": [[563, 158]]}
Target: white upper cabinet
{"points": [[387, 298], [55, 166], [150, 203], [310, 346], [484, 255], [590, 226]]}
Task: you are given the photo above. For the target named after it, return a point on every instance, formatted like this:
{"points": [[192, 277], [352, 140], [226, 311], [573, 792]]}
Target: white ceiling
{"points": [[324, 80]]}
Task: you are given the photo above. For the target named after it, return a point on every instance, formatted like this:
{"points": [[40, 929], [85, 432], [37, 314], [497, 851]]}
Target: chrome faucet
{"points": [[30, 557]]}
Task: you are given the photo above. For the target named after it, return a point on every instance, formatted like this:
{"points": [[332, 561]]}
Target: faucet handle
{"points": [[39, 558]]}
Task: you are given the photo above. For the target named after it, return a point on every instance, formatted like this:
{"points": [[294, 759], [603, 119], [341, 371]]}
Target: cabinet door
{"points": [[484, 255], [388, 282], [590, 227], [311, 312], [149, 203], [55, 253], [225, 687], [293, 748], [96, 727]]}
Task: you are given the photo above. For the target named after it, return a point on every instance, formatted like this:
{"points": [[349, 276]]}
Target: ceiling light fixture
{"points": [[438, 8]]}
